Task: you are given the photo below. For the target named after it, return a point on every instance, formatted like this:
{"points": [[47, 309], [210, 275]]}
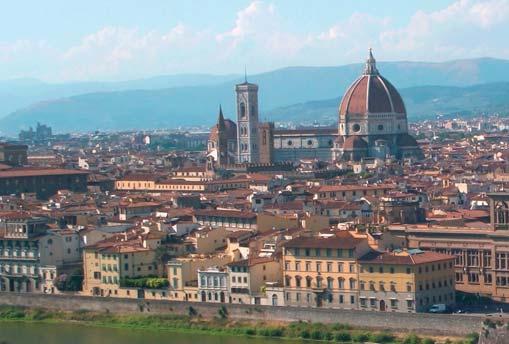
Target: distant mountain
{"points": [[20, 93], [193, 100], [420, 102]]}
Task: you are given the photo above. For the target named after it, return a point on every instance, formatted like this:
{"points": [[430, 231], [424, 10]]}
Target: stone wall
{"points": [[452, 324]]}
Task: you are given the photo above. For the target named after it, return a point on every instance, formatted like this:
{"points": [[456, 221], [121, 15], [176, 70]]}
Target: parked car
{"points": [[438, 308]]}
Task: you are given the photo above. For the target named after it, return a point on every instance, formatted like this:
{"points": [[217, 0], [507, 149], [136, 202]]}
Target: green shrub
{"points": [[342, 336], [412, 339], [381, 337], [361, 337], [339, 327], [12, 313], [317, 335], [472, 338], [305, 334], [428, 341], [276, 332], [489, 323], [223, 312], [250, 331]]}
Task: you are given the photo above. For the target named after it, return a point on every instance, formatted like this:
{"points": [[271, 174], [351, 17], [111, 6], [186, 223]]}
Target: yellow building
{"points": [[405, 281], [108, 262], [321, 271]]}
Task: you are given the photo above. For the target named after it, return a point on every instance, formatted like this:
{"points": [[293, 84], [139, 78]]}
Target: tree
{"points": [[69, 282]]}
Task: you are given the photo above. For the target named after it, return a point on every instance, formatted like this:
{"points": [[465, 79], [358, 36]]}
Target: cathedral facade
{"points": [[372, 124]]}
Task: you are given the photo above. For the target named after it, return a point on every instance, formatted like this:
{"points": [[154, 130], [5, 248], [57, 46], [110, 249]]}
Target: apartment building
{"points": [[321, 271], [405, 281]]}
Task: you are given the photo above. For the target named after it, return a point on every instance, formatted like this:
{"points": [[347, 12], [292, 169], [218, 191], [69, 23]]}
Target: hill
{"points": [[421, 102], [192, 100]]}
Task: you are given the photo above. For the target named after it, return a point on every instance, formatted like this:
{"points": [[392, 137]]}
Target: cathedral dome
{"points": [[371, 93]]}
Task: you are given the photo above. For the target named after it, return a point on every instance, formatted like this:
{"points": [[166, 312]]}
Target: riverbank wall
{"points": [[436, 324]]}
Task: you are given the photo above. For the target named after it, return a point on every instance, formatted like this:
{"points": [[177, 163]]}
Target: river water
{"points": [[34, 333]]}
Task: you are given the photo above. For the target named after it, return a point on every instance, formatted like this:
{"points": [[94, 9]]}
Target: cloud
{"points": [[261, 36], [464, 28]]}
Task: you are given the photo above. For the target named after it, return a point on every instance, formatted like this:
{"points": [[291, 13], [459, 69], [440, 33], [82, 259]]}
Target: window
{"points": [[487, 278], [380, 127], [473, 258], [318, 266], [308, 282], [363, 302], [394, 303], [473, 277], [486, 259], [330, 283], [341, 283], [352, 299], [298, 281], [329, 267], [356, 128]]}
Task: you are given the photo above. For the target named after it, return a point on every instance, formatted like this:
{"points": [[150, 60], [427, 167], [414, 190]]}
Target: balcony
{"points": [[19, 254]]}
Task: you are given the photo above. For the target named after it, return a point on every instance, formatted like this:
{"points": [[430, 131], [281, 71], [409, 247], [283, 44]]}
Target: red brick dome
{"points": [[371, 93]]}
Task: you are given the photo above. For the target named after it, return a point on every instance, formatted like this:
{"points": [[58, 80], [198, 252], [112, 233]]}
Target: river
{"points": [[37, 333]]}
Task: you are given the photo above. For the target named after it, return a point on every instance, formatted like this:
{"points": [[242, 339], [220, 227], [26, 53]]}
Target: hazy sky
{"points": [[62, 40]]}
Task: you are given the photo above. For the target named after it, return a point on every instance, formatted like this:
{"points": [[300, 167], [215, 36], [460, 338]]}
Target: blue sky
{"points": [[58, 40]]}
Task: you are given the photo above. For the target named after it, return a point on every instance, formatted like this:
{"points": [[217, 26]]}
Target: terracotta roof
{"points": [[404, 258], [342, 240], [34, 172], [225, 213], [355, 142], [328, 188]]}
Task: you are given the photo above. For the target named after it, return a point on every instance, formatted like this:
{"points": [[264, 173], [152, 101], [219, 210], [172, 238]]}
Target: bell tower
{"points": [[247, 122]]}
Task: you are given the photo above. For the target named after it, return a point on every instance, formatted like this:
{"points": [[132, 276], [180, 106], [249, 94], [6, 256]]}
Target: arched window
{"points": [[341, 283], [288, 281], [330, 283], [274, 300], [308, 282], [298, 280], [242, 110]]}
